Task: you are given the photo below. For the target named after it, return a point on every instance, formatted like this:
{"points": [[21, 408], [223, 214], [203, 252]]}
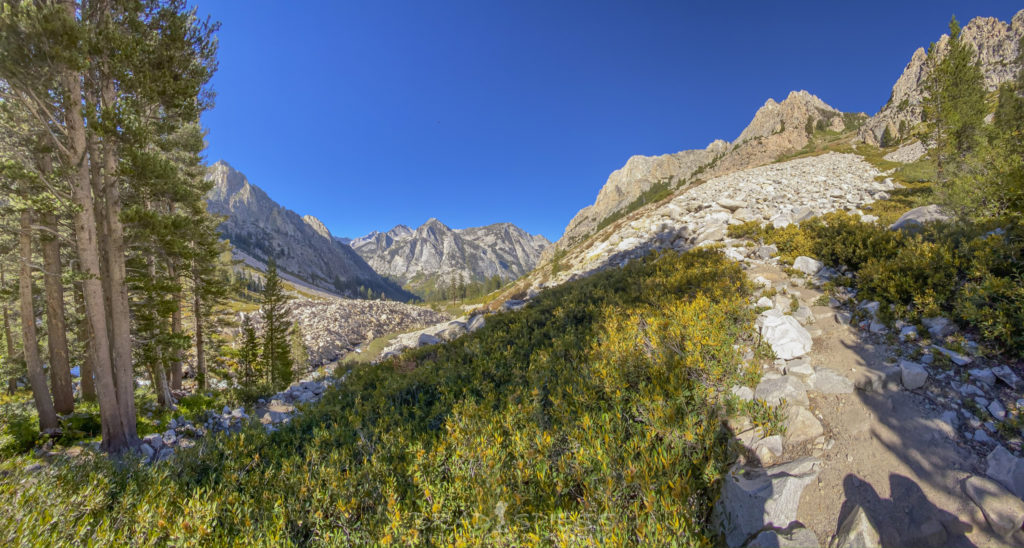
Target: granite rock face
{"points": [[304, 249], [777, 128], [997, 45], [436, 255]]}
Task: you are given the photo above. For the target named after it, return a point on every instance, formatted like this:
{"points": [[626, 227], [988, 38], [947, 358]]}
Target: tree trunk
{"points": [[36, 375], [118, 432], [197, 311], [175, 373], [12, 383], [85, 335], [57, 339], [120, 314]]}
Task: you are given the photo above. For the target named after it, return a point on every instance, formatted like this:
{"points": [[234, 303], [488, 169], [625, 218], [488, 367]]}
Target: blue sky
{"points": [[368, 114]]}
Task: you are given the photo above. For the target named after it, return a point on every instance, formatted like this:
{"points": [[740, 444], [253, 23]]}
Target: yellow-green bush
{"points": [[591, 417]]}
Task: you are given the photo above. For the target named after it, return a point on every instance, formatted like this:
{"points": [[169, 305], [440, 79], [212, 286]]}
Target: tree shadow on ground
{"points": [[907, 517]]}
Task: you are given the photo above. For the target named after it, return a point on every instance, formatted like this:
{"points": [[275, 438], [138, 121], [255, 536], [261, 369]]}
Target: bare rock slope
{"points": [[777, 128], [997, 44]]}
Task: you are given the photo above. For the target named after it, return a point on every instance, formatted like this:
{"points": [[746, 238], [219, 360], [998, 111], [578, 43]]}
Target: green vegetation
{"points": [[658, 192], [592, 416]]}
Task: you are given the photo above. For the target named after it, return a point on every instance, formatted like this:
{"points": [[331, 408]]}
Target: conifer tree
{"points": [[276, 356], [954, 103], [249, 354]]}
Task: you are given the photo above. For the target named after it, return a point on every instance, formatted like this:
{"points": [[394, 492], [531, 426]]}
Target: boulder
{"points": [[918, 216], [786, 336], [997, 410], [1003, 510], [788, 388], [756, 498], [475, 323], [913, 374], [856, 531], [1006, 469], [807, 265], [802, 426]]}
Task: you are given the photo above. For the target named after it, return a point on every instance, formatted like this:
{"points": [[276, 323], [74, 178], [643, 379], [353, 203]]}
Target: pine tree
{"points": [[276, 356], [249, 354], [954, 103]]}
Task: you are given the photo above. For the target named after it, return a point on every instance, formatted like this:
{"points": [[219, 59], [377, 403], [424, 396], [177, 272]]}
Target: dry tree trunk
{"points": [[57, 339], [118, 431], [36, 375]]}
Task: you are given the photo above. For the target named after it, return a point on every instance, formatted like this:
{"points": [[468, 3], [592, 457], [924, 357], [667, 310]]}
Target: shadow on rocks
{"points": [[907, 517]]}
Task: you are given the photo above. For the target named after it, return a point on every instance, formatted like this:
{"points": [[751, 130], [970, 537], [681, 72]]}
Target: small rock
{"points": [[877, 327], [1003, 510], [799, 366], [856, 531], [908, 333], [957, 358], [997, 410], [147, 451], [765, 302], [914, 374], [802, 426], [981, 436]]}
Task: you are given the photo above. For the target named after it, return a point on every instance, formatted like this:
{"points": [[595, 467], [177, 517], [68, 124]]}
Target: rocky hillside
{"points": [[780, 194], [435, 254], [302, 246], [333, 327], [997, 44], [777, 128]]}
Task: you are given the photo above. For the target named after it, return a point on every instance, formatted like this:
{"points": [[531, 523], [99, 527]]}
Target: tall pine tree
{"points": [[277, 355]]}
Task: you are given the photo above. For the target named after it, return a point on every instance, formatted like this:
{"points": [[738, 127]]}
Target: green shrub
{"points": [[19, 427], [592, 416], [842, 239]]}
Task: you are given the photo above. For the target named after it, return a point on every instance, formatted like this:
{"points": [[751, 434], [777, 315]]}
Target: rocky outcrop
{"points": [[333, 327], [997, 45], [302, 246], [777, 128], [779, 194], [434, 254]]}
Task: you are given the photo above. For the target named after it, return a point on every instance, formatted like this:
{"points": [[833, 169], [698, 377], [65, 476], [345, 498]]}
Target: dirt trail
{"points": [[886, 448]]}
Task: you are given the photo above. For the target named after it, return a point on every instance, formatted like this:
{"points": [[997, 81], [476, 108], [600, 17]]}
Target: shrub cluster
{"points": [[591, 417], [970, 272]]}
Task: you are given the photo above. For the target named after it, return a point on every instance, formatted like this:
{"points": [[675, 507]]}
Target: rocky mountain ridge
{"points": [[435, 254], [997, 44], [302, 246], [777, 128]]}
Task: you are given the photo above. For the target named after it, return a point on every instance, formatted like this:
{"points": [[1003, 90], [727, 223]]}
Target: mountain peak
{"points": [[317, 226]]}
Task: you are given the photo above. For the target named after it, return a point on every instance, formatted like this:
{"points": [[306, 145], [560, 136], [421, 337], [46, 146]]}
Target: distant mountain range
{"points": [[302, 246], [381, 262], [435, 255]]}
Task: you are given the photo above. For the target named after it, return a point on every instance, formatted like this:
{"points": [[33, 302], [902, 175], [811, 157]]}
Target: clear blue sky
{"points": [[372, 113]]}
